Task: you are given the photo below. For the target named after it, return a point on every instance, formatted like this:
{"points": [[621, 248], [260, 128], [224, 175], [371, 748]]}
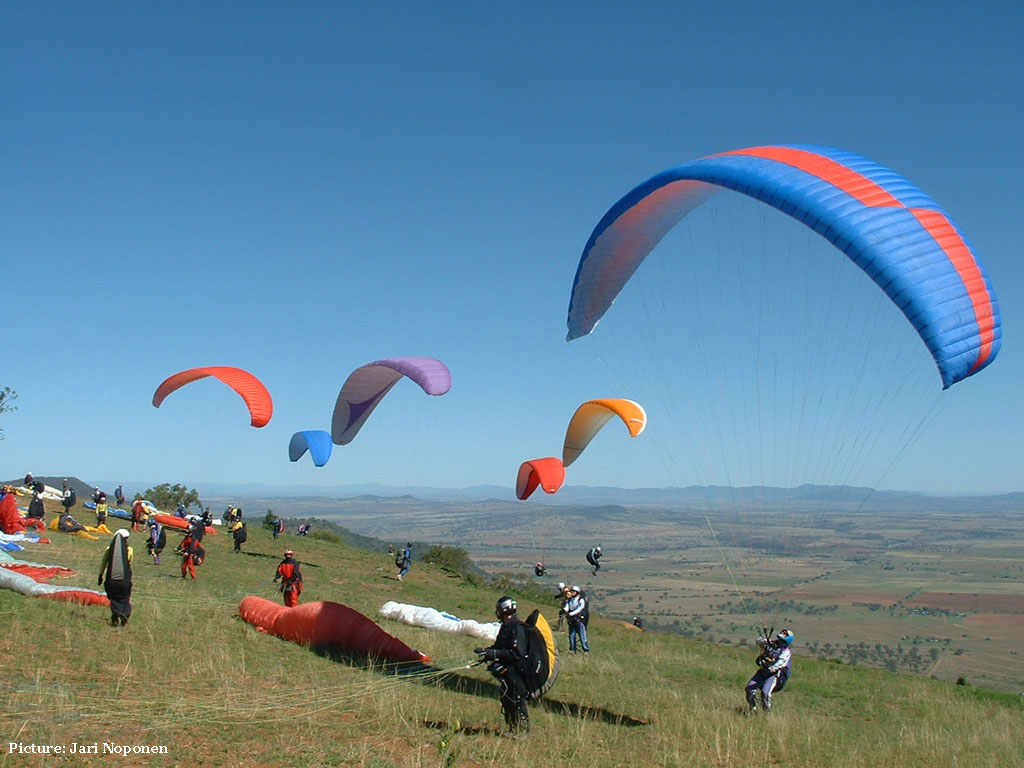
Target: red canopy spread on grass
{"points": [[326, 625]]}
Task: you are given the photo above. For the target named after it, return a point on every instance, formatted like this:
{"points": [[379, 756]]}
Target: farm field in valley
{"points": [[927, 591]]}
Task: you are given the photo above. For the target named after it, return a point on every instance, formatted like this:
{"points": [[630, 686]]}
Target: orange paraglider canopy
{"points": [[251, 389], [592, 416], [548, 473]]}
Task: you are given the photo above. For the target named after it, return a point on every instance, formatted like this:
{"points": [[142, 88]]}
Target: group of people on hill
{"points": [[116, 568], [506, 654]]}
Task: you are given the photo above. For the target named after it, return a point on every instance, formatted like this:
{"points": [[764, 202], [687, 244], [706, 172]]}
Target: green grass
{"points": [[188, 674]]}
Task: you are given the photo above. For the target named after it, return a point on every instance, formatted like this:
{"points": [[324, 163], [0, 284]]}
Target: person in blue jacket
{"points": [[405, 561]]}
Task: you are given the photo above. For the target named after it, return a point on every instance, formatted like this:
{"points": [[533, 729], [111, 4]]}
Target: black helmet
{"points": [[505, 606]]}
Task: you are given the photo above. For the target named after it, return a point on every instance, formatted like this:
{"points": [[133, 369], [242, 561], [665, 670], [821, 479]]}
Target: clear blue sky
{"points": [[300, 188]]}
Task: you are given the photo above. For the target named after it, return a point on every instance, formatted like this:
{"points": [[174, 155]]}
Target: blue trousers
{"points": [[578, 631]]}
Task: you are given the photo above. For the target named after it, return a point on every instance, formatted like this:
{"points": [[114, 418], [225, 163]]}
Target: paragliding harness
{"points": [[190, 547], [36, 509], [159, 544], [404, 558], [70, 499], [539, 666]]}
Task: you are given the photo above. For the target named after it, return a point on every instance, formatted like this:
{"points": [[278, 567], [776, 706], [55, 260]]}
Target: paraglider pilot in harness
{"points": [[291, 578], [116, 570], [774, 666], [593, 557], [507, 658], [404, 560]]}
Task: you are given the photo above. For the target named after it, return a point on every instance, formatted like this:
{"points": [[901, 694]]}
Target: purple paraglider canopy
{"points": [[367, 385]]}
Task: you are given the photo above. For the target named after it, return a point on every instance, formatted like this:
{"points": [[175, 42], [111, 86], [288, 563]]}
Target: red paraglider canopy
{"points": [[548, 473], [326, 625], [251, 389]]}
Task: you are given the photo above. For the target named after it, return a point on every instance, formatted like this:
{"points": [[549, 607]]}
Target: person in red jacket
{"points": [[11, 520], [291, 578], [192, 554]]}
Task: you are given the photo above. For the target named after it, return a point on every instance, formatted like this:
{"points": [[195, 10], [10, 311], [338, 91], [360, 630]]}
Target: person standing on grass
{"points": [[562, 594], [138, 514], [101, 510], [404, 561], [156, 541], [116, 570], [69, 498], [576, 611], [291, 578], [192, 554], [239, 535], [508, 658], [774, 666]]}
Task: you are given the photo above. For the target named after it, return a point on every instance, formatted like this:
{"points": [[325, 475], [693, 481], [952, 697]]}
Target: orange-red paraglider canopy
{"points": [[251, 389], [548, 473], [325, 624]]}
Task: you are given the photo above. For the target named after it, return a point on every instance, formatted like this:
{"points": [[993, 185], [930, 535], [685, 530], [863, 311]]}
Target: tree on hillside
{"points": [[7, 396], [167, 497]]}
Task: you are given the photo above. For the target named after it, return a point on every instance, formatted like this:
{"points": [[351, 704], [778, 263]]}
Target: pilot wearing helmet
{"points": [[507, 657], [774, 666]]}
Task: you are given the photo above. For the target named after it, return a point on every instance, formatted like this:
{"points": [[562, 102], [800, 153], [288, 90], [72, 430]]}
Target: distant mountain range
{"points": [[848, 497]]}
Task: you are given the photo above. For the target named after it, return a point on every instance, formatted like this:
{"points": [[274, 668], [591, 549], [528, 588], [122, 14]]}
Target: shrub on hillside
{"points": [[453, 560]]}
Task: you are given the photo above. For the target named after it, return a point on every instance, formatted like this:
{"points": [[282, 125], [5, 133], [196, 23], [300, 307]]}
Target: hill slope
{"points": [[188, 675]]}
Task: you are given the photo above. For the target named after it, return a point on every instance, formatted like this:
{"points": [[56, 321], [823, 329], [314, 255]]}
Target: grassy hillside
{"points": [[189, 675]]}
